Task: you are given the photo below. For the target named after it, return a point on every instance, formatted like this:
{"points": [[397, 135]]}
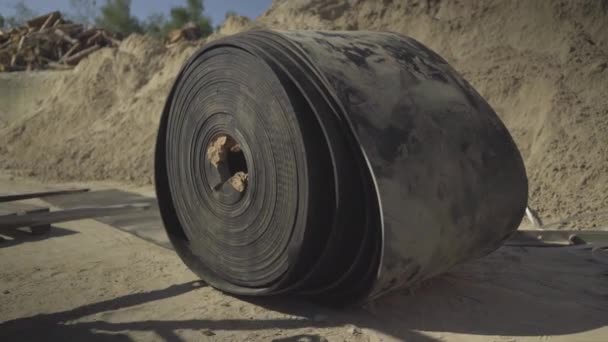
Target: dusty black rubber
{"points": [[307, 222], [321, 153]]}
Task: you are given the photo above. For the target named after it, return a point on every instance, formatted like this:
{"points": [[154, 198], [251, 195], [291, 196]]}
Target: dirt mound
{"points": [[98, 121], [235, 24], [543, 65]]}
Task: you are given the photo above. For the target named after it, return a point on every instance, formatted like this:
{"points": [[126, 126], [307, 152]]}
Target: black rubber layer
{"points": [[364, 163], [308, 219]]}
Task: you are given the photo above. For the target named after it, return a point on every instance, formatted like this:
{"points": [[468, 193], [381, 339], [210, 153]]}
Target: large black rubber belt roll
{"points": [[371, 165]]}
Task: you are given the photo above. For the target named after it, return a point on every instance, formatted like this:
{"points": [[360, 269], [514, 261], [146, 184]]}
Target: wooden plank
{"points": [[15, 55], [70, 28], [92, 39], [8, 208], [541, 237], [70, 51], [40, 20], [52, 17], [65, 36], [29, 195], [73, 214], [82, 54], [110, 38], [5, 44]]}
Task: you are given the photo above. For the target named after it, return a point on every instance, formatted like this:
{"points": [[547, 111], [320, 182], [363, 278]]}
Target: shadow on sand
{"points": [[18, 236], [513, 292]]}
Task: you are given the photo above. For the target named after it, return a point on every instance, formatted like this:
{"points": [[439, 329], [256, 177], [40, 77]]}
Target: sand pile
{"points": [[96, 122], [543, 65]]}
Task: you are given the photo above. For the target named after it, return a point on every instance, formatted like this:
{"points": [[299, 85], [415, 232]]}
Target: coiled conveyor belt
{"points": [[335, 165]]}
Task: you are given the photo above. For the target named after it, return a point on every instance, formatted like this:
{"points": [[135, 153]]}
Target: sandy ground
{"points": [[89, 281]]}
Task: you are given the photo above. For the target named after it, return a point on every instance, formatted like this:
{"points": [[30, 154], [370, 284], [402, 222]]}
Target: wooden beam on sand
{"points": [[38, 194]]}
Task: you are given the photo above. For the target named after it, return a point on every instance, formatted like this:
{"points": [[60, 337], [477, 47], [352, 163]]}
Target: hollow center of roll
{"points": [[225, 154]]}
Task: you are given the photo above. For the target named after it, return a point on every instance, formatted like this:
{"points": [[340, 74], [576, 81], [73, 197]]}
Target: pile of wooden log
{"points": [[189, 32], [49, 41]]}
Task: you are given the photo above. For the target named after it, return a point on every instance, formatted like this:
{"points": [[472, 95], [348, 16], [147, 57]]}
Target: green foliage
{"points": [[153, 25], [2, 21], [116, 17], [192, 12]]}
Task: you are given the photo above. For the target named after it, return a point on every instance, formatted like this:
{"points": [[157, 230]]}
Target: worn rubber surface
{"points": [[372, 165]]}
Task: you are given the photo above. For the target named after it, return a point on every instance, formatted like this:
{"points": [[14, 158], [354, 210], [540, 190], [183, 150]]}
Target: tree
{"points": [[192, 12], [1, 21], [154, 24], [116, 17]]}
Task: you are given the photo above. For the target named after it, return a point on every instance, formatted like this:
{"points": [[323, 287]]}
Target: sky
{"points": [[216, 9]]}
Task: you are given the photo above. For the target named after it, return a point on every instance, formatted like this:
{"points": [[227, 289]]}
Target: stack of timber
{"points": [[49, 41]]}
